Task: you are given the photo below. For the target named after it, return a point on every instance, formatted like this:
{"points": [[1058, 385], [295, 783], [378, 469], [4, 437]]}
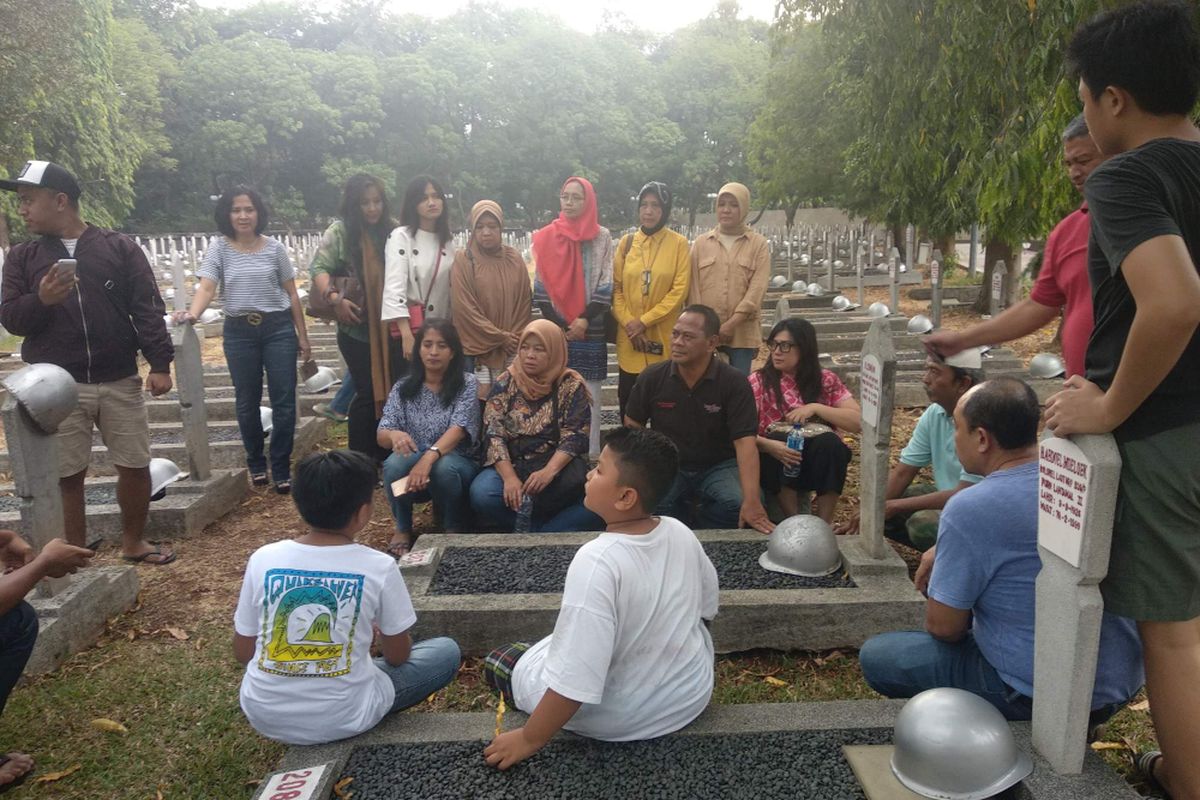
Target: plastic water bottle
{"points": [[795, 441], [524, 515]]}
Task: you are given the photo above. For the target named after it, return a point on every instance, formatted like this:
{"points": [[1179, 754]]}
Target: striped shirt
{"points": [[249, 281]]}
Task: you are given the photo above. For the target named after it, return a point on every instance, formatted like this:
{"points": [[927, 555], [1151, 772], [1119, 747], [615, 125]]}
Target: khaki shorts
{"points": [[118, 409]]}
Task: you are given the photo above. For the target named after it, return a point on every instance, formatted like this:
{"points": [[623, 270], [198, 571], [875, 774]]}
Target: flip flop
{"points": [[259, 479], [1144, 764], [15, 782], [167, 558]]}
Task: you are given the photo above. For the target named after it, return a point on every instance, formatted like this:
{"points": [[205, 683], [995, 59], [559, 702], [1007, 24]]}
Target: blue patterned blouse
{"points": [[425, 419]]}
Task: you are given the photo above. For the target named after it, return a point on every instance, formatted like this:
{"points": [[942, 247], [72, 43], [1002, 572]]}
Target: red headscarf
{"points": [[556, 248]]}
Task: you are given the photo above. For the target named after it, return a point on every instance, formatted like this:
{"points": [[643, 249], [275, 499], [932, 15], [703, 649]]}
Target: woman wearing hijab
{"points": [[651, 274], [489, 291], [536, 425], [353, 246], [731, 265], [573, 260]]}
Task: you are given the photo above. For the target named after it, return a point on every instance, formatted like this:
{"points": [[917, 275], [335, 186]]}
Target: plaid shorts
{"points": [[498, 668]]}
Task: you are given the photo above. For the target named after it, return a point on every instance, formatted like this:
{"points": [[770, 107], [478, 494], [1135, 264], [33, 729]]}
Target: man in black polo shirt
{"points": [[707, 409], [1139, 80]]}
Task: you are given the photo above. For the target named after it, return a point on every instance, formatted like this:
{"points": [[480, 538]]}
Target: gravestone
{"points": [[72, 610], [189, 381], [935, 282], [894, 280], [808, 258], [1077, 490], [877, 391], [783, 310], [910, 246], [998, 287], [866, 259], [178, 280]]}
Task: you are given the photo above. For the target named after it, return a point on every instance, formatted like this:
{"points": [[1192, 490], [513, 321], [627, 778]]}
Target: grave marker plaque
{"points": [[998, 287], [894, 275], [935, 281], [878, 382]]}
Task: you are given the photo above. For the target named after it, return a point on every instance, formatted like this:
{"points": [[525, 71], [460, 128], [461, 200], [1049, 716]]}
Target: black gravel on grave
{"points": [[543, 570], [763, 766]]}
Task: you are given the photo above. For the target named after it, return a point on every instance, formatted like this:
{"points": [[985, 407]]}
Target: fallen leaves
{"points": [[1144, 705], [178, 633], [109, 725], [339, 788], [773, 681], [1109, 746], [500, 709], [50, 777]]}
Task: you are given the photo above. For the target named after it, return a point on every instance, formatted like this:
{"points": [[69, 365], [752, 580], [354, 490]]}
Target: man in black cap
{"points": [[91, 320]]}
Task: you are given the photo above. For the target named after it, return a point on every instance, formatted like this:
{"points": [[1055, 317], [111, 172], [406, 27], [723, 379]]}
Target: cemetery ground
{"points": [[165, 672]]}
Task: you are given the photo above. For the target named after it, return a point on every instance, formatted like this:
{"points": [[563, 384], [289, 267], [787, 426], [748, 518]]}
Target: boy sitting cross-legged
{"points": [[630, 656], [308, 611]]}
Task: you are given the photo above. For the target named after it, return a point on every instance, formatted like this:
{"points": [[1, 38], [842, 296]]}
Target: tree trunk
{"points": [[993, 252], [789, 216], [947, 246]]}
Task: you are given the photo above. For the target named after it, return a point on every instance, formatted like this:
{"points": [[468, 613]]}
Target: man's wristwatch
{"points": [[435, 449]]}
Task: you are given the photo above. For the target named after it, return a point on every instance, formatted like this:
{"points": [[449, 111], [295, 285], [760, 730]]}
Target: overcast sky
{"points": [[660, 16]]}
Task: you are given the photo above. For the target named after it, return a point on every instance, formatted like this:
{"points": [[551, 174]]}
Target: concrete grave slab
{"points": [[813, 618], [73, 619], [775, 751]]}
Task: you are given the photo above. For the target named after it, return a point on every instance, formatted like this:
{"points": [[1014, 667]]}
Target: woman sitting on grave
{"points": [[792, 389], [490, 294], [536, 424], [431, 424], [264, 327], [419, 252], [353, 247]]}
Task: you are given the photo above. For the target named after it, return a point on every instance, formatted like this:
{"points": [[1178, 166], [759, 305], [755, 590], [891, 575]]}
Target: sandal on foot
{"points": [[283, 487], [93, 545], [259, 479], [398, 550], [15, 782], [1144, 763], [155, 557]]}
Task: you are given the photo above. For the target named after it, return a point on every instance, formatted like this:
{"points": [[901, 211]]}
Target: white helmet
{"points": [[163, 472], [877, 310], [815, 289], [321, 380], [920, 324], [804, 260], [266, 415], [47, 392], [169, 293], [302, 294], [802, 545], [951, 743], [169, 319], [1046, 365], [881, 267], [799, 287], [839, 264], [842, 303], [778, 281], [210, 316]]}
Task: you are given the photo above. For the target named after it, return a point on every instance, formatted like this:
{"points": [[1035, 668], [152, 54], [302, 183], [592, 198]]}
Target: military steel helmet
{"points": [[163, 472], [47, 392], [799, 287], [877, 310], [839, 264], [955, 745], [920, 324], [321, 380], [778, 281], [842, 303], [267, 416], [802, 545], [815, 289], [1046, 365], [210, 316]]}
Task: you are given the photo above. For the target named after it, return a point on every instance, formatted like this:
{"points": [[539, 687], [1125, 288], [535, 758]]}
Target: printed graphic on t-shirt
{"points": [[308, 622]]}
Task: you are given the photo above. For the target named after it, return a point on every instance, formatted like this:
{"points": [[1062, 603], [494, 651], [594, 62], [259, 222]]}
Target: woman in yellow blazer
{"points": [[651, 273]]}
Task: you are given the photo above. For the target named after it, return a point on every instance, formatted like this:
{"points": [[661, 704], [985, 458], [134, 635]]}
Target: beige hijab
{"points": [[742, 195], [555, 341]]}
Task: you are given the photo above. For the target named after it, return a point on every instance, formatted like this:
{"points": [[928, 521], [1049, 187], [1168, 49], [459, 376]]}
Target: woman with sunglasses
{"points": [[651, 273], [793, 388]]}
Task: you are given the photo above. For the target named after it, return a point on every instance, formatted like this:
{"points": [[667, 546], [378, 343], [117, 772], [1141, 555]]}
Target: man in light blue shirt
{"points": [[979, 618], [912, 510]]}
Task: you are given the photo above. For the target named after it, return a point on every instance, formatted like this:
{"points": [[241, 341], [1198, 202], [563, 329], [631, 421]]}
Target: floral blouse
{"points": [[519, 429], [833, 392], [425, 419]]}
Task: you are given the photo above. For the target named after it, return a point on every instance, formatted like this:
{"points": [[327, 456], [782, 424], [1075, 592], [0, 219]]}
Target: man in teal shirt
{"points": [[912, 510]]}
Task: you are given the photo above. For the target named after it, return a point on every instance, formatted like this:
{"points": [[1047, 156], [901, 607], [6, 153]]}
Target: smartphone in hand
{"points": [[66, 268]]}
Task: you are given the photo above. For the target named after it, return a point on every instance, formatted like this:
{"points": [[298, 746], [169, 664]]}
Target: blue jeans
{"points": [[345, 395], [740, 358], [716, 493], [431, 665], [18, 632], [449, 488], [487, 499], [249, 349]]}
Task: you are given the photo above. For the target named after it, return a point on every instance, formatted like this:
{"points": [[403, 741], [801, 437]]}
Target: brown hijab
{"points": [[742, 195], [555, 341]]}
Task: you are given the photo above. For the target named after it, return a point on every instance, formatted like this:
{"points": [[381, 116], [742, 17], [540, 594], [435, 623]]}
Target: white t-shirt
{"points": [[311, 609], [70, 245], [629, 642]]}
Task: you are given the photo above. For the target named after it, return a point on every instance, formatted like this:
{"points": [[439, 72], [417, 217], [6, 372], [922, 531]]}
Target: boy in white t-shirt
{"points": [[630, 657], [308, 611]]}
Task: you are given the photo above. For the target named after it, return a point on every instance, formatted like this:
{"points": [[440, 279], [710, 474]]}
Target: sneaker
{"points": [[325, 411]]}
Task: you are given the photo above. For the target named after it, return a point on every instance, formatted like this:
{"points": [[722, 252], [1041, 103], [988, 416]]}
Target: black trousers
{"points": [[625, 382], [363, 422], [823, 469]]}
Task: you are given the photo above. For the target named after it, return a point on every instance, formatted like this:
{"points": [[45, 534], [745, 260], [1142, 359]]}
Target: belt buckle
{"points": [[254, 318]]}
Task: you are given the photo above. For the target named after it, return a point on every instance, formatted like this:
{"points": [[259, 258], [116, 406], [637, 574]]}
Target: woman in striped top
{"points": [[264, 327]]}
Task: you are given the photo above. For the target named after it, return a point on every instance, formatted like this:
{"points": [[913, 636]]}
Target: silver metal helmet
{"points": [[842, 303], [955, 745], [267, 417], [799, 287], [778, 281], [47, 392], [838, 264], [1046, 365], [163, 472], [920, 324], [815, 289], [321, 380], [802, 545], [209, 316], [877, 310]]}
